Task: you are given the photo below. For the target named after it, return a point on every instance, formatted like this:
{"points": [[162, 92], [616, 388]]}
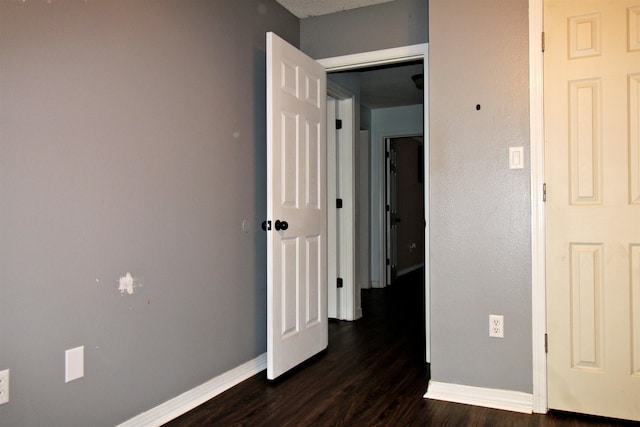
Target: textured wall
{"points": [[480, 210], [132, 141], [387, 25]]}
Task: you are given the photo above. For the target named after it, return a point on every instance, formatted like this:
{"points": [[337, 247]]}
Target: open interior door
{"points": [[297, 324]]}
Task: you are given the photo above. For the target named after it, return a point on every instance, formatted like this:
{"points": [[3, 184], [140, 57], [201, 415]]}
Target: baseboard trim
{"points": [[185, 402], [507, 400], [364, 285], [409, 269]]}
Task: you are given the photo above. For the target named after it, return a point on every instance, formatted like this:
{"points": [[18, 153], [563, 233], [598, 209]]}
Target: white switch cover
{"points": [[516, 157], [73, 364]]}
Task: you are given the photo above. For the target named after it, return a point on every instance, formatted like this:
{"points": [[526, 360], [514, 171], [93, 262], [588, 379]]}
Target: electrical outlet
{"points": [[4, 386], [496, 326]]}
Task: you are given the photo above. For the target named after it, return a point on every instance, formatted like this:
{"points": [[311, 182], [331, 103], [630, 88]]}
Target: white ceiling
{"points": [[390, 86], [307, 8]]}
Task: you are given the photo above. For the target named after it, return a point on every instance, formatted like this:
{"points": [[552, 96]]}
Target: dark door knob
{"points": [[266, 225], [281, 225]]}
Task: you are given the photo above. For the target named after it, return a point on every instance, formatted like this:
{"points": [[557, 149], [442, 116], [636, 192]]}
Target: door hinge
{"points": [[546, 343], [388, 261], [386, 154], [338, 124], [338, 203], [339, 282], [388, 208], [543, 42], [544, 192]]}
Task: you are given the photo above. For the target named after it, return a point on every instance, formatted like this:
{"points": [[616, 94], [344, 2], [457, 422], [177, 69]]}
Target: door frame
{"points": [[391, 56], [536, 135], [343, 304]]}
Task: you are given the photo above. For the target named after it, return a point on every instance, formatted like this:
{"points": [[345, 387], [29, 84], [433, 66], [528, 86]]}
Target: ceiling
{"points": [[306, 8], [390, 86]]}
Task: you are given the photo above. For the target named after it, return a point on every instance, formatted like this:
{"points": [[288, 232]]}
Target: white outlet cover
{"points": [[73, 364], [496, 326]]}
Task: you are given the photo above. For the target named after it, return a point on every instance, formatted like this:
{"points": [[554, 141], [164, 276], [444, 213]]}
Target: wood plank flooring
{"points": [[372, 374]]}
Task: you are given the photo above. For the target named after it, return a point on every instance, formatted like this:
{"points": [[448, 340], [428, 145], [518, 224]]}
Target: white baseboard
{"points": [[364, 285], [185, 402], [507, 400]]}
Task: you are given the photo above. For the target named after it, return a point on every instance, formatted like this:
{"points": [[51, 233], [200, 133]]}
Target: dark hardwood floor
{"points": [[372, 374]]}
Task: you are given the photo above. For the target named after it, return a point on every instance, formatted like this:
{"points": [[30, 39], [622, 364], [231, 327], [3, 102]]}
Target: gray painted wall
{"points": [[132, 139], [387, 25], [480, 210]]}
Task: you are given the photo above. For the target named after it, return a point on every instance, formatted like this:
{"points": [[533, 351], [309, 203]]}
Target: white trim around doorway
{"points": [[536, 129]]}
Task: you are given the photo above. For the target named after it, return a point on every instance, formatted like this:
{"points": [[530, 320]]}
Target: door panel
{"points": [[297, 325], [592, 216]]}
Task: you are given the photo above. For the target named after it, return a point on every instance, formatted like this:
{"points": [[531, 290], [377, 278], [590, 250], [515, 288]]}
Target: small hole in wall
{"points": [[478, 107]]}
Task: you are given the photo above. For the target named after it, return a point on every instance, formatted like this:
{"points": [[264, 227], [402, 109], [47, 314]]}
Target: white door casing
{"points": [[333, 222], [297, 324], [343, 301], [592, 163], [536, 158]]}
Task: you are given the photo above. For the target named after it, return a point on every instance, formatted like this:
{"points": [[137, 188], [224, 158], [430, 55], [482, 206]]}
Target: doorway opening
{"points": [[376, 123]]}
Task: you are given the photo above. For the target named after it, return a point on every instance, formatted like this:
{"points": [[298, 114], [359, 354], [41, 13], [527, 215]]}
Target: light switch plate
{"points": [[73, 364], [516, 157]]}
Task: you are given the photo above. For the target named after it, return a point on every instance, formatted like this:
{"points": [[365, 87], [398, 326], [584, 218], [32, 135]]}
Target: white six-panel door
{"points": [[592, 162], [297, 324]]}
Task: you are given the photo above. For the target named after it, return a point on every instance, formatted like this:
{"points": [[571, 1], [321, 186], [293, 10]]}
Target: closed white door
{"points": [[297, 324], [592, 160]]}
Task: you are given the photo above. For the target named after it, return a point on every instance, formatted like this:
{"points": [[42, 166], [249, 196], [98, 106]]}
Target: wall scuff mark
{"points": [[127, 284]]}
